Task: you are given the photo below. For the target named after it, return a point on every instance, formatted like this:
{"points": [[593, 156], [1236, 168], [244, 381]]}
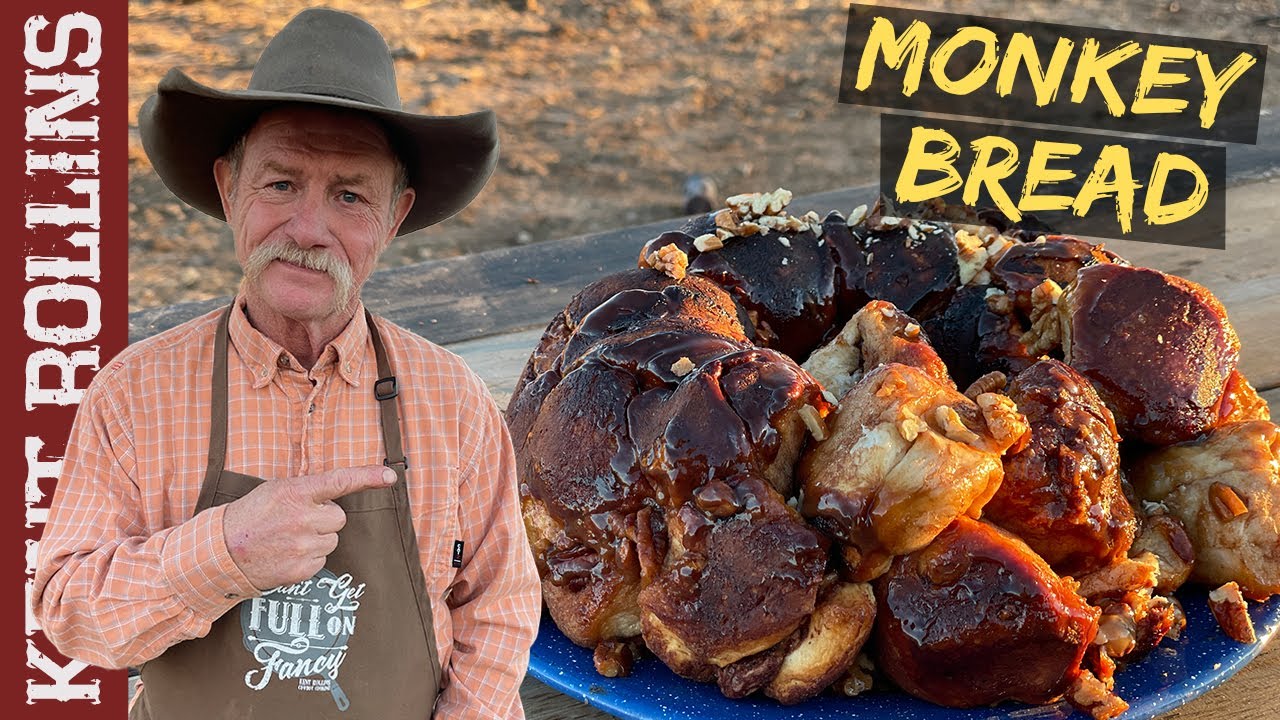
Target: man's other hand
{"points": [[282, 531]]}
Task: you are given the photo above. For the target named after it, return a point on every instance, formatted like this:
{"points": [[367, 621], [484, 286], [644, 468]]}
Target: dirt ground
{"points": [[604, 107]]}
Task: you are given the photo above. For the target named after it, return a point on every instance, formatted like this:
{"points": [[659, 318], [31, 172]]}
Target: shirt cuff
{"points": [[198, 566]]}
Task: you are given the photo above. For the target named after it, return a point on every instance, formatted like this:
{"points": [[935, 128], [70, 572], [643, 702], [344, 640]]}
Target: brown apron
{"points": [[354, 641]]}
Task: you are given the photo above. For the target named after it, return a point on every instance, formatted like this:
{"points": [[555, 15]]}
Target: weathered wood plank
{"points": [[484, 295], [1273, 401], [489, 293], [1260, 161], [499, 360], [1248, 695], [543, 703]]}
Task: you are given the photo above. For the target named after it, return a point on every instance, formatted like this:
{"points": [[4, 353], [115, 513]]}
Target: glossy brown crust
{"points": [[953, 333], [654, 438], [575, 504], [626, 301], [1061, 493], [742, 583], [599, 471], [732, 416], [1159, 349], [699, 296], [1000, 331], [1057, 257], [918, 274], [785, 281], [851, 266], [692, 303], [976, 617]]}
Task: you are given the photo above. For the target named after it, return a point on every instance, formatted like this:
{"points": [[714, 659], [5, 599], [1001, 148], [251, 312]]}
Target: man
{"points": [[288, 508]]}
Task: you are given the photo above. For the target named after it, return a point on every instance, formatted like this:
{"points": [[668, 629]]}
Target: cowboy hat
{"points": [[331, 59]]}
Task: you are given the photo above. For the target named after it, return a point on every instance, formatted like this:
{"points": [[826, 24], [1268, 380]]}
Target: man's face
{"points": [[311, 209]]}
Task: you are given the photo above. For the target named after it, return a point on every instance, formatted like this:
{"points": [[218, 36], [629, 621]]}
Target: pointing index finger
{"points": [[344, 481]]}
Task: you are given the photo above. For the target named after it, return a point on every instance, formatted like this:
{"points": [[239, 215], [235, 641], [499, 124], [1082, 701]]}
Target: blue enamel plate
{"points": [[1174, 674]]}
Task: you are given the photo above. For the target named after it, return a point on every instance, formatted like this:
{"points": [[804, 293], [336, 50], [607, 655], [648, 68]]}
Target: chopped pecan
{"points": [[1232, 613], [1092, 696], [992, 382], [1226, 502], [813, 421], [669, 259], [682, 367]]}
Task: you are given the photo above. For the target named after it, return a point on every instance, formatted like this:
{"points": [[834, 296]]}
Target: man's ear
{"points": [[399, 212], [222, 177]]}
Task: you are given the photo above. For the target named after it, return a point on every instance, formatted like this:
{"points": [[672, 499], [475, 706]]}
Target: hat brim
{"points": [[186, 126]]}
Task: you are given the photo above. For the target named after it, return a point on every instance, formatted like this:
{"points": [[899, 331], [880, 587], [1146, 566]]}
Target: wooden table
{"points": [[490, 308]]}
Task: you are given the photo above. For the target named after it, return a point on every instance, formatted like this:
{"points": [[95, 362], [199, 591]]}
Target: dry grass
{"points": [[604, 107]]}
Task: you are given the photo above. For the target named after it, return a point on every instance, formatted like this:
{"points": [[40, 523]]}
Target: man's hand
{"points": [[282, 531]]}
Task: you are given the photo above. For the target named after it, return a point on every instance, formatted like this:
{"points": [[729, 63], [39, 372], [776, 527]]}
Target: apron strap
{"points": [[386, 390], [217, 415]]}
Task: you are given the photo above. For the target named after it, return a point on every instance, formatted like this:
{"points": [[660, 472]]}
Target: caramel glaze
{"points": [[976, 617], [1056, 257], [918, 275], [976, 334], [999, 340], [1158, 349], [1061, 493], [788, 289], [953, 333], [1241, 402], [691, 304], [547, 354], [748, 576], [631, 453], [851, 269], [797, 306], [592, 483], [974, 338]]}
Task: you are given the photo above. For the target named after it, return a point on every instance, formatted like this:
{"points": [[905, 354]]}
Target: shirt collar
{"points": [[265, 357]]}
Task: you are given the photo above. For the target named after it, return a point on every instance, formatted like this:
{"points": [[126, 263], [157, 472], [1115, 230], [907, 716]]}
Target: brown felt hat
{"points": [[326, 58]]}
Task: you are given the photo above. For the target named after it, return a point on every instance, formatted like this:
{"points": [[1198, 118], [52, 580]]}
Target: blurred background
{"points": [[606, 109]]}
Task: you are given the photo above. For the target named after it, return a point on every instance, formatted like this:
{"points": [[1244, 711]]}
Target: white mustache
{"points": [[313, 259]]}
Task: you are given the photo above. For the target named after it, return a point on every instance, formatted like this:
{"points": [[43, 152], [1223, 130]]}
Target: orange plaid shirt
{"points": [[125, 570]]}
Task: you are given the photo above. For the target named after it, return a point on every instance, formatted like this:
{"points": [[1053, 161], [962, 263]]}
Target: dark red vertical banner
{"points": [[63, 156]]}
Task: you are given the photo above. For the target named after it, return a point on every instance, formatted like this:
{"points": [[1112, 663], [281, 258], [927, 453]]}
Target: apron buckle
{"points": [[399, 464], [386, 394]]}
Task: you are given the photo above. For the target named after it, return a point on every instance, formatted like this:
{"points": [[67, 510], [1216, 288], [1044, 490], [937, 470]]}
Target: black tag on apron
{"points": [[457, 553]]}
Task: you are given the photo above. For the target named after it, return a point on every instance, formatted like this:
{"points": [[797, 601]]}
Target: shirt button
{"points": [[283, 360]]}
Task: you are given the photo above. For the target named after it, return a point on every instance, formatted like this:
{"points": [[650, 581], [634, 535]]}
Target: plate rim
{"points": [[1266, 617]]}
